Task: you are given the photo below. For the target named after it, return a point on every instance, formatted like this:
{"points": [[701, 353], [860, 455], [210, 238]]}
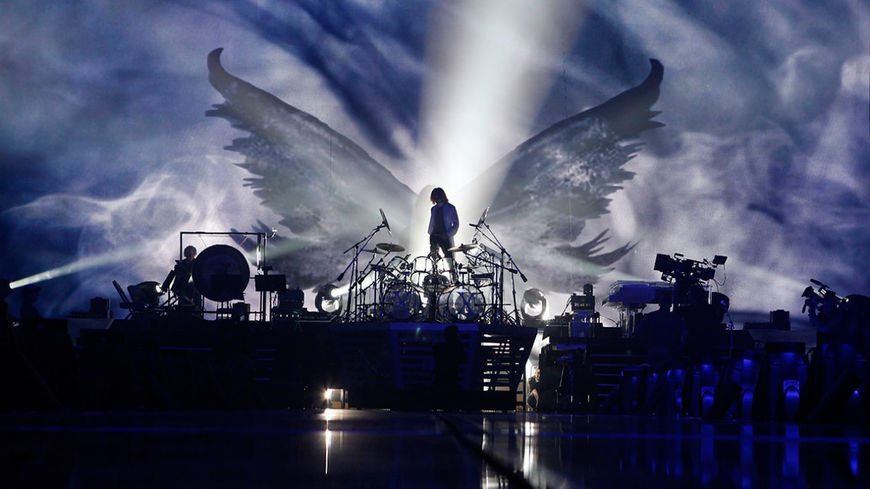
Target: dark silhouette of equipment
{"points": [[221, 273], [677, 267]]}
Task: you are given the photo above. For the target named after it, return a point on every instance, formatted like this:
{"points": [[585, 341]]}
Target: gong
{"points": [[221, 273]]}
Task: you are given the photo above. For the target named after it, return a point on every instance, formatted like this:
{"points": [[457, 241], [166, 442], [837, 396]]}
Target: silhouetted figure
{"points": [[181, 278], [534, 396], [443, 224]]}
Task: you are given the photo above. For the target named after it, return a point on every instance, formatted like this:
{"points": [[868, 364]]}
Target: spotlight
{"points": [[534, 304], [145, 294], [327, 395], [328, 299]]}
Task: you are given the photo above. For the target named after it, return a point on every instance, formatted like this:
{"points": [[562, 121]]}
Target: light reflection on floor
{"points": [[349, 448]]}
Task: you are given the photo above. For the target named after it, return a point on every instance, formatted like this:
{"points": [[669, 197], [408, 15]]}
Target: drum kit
{"points": [[396, 287]]}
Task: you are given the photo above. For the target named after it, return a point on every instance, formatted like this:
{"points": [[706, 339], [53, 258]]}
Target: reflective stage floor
{"points": [[349, 448]]}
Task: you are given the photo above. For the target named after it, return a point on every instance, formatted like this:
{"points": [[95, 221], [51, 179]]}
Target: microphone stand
{"points": [[492, 238], [353, 266]]}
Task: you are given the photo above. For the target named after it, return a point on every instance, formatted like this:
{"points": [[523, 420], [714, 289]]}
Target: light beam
{"points": [[79, 266], [492, 66]]}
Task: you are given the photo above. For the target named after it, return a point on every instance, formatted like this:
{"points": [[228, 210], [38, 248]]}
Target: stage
{"points": [[181, 363], [375, 448]]}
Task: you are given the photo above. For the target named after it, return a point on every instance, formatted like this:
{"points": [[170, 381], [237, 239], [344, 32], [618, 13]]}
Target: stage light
{"points": [[534, 304], [145, 294], [327, 395], [328, 300]]}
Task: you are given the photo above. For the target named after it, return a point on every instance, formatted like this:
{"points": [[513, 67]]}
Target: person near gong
{"points": [[180, 281]]}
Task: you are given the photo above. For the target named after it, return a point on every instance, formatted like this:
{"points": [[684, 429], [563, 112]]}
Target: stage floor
{"points": [[350, 448]]}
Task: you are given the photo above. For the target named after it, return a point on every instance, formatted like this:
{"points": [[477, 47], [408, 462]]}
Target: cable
{"points": [[566, 305]]}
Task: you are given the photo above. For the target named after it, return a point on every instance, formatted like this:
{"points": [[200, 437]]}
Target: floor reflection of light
{"points": [[329, 414], [791, 458], [327, 440], [530, 451], [853, 458], [485, 428]]}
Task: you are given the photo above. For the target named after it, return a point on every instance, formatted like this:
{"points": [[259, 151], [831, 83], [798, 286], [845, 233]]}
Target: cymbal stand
{"points": [[513, 269], [352, 294], [494, 280], [375, 286]]}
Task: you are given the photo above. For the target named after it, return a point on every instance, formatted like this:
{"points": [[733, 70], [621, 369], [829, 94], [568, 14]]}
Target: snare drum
{"points": [[461, 303], [402, 301]]}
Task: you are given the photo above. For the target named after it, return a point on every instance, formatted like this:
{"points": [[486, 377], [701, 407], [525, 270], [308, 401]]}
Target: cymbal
{"points": [[376, 251], [391, 247], [463, 247]]}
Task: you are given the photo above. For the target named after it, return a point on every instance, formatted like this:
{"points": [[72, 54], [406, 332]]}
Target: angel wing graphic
{"points": [[315, 178]]}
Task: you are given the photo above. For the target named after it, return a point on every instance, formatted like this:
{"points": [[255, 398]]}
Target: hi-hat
{"points": [[463, 248], [391, 247]]}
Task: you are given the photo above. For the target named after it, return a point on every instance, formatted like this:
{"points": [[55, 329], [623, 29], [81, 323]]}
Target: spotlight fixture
{"points": [[328, 299], [145, 294], [534, 304]]}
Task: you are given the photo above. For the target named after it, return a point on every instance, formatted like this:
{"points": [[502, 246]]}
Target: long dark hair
{"points": [[438, 196]]}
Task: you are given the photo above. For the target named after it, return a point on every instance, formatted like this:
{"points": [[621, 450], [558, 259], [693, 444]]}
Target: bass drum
{"points": [[401, 301], [462, 303]]}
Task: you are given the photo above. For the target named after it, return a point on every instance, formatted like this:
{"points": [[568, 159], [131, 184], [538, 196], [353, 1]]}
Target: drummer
{"points": [[443, 224]]}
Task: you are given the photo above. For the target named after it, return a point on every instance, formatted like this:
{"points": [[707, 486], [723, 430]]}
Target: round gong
{"points": [[221, 273]]}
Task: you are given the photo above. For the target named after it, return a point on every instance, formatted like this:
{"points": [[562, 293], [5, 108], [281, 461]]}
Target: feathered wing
{"points": [[326, 187], [556, 180]]}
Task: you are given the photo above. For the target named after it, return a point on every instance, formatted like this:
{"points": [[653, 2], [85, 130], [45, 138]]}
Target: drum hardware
{"points": [[436, 282], [402, 301], [461, 303], [463, 248], [354, 298], [430, 287], [504, 264], [390, 247]]}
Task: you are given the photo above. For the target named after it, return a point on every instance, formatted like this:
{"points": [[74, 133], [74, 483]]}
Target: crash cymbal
{"points": [[463, 248], [391, 247]]}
